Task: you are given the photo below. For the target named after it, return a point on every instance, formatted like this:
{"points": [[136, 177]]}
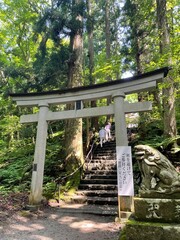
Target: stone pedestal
{"points": [[154, 219], [157, 210], [152, 231]]}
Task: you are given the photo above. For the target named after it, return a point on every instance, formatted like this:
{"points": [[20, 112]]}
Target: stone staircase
{"points": [[99, 183]]}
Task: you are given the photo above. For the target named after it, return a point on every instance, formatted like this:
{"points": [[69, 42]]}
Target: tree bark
{"points": [[170, 129], [108, 42], [90, 29], [73, 128], [107, 30]]}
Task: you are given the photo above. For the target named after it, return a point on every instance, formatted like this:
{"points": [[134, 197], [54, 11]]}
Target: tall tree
{"points": [[137, 22], [17, 45], [93, 122], [103, 66], [136, 32], [108, 41], [73, 129], [107, 30], [170, 129], [90, 32]]}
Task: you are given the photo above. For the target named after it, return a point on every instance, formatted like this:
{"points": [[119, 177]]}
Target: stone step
{"points": [[99, 181], [101, 210], [100, 163], [101, 151], [103, 201], [99, 193], [104, 148], [102, 172], [104, 162], [107, 150], [103, 166], [94, 200], [99, 184], [105, 157], [109, 143], [98, 167], [96, 176], [108, 187]]}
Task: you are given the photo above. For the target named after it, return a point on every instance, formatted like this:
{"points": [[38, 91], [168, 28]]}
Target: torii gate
{"points": [[117, 89]]}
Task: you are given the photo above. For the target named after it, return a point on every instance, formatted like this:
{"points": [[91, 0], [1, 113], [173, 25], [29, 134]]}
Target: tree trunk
{"points": [[90, 29], [107, 30], [73, 128], [108, 42], [170, 129]]}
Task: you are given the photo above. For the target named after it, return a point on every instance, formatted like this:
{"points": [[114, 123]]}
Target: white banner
{"points": [[124, 171]]}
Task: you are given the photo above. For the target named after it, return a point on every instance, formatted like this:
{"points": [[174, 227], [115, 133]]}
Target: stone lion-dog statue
{"points": [[158, 173]]}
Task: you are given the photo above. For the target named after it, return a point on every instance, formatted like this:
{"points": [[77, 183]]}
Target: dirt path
{"points": [[52, 224]]}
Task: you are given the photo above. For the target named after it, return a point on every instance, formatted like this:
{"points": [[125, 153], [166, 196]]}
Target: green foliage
{"points": [[49, 189], [15, 165], [123, 234], [105, 68], [161, 143], [9, 126], [149, 126], [73, 181], [177, 104], [35, 56], [54, 161]]}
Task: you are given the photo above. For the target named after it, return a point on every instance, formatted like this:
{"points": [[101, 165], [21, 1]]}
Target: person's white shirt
{"points": [[102, 136], [108, 131]]}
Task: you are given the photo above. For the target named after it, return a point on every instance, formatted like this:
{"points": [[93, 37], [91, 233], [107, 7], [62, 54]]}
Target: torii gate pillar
{"points": [[120, 121], [125, 203], [39, 156]]}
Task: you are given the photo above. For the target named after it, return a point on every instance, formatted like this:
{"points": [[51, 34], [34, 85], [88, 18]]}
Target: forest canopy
{"points": [[44, 44]]}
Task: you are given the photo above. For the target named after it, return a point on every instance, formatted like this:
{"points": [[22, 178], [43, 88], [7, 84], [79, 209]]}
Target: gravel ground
{"points": [[53, 224]]}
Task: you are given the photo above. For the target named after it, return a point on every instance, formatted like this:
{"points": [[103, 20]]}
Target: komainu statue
{"points": [[159, 176]]}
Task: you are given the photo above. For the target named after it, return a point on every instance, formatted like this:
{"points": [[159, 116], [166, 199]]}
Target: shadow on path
{"points": [[54, 224]]}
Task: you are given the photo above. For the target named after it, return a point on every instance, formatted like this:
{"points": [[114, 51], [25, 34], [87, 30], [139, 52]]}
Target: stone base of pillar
{"points": [[33, 208], [35, 199], [152, 231], [157, 210], [125, 215], [154, 219], [126, 204]]}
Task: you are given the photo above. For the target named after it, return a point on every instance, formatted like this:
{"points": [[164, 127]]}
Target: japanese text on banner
{"points": [[124, 171]]}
